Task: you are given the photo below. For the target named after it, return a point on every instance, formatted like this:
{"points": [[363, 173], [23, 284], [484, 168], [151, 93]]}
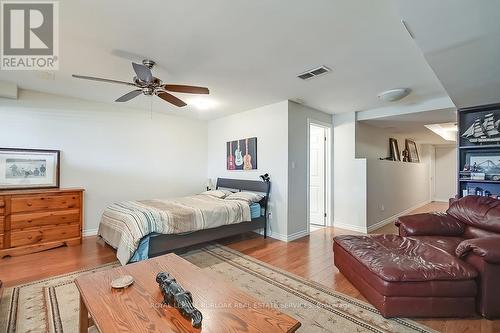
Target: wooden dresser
{"points": [[37, 220]]}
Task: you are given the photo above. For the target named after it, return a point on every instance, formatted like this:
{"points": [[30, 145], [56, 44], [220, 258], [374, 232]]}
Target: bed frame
{"points": [[162, 244]]}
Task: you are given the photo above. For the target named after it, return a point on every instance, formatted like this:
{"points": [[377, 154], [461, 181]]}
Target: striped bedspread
{"points": [[124, 224]]}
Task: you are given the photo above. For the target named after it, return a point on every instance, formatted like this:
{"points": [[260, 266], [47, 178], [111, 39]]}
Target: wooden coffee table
{"points": [[138, 308]]}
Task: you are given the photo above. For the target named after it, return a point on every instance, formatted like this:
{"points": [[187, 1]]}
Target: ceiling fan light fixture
{"points": [[394, 95]]}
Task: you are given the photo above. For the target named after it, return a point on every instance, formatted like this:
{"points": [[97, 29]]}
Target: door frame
{"points": [[328, 171]]}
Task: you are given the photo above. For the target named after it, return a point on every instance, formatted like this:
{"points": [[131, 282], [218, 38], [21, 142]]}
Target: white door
{"points": [[317, 175]]}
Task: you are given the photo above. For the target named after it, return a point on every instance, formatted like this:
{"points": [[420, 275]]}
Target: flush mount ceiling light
{"points": [[202, 103], [447, 131], [394, 94]]}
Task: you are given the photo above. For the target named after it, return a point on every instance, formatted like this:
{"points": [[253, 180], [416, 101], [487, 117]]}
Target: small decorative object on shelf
{"points": [[477, 175], [175, 296], [406, 155]]}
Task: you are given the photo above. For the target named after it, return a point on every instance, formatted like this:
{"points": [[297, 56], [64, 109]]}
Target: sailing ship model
{"points": [[485, 130]]}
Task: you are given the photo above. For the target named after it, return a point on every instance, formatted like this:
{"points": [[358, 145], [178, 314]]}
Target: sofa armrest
{"points": [[487, 247], [429, 224]]}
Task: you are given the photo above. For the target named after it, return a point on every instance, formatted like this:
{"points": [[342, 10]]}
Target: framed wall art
{"points": [[411, 146], [241, 154], [394, 149], [28, 168]]}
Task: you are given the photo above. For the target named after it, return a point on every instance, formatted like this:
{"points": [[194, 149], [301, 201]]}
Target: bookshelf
{"points": [[479, 151]]}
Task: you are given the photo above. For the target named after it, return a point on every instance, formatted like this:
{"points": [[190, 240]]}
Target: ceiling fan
{"points": [[149, 85]]}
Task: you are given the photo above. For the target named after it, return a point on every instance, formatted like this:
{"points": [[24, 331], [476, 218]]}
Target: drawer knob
{"points": [[29, 204]]}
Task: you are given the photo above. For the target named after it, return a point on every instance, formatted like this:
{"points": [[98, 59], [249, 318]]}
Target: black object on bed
{"points": [[162, 244]]}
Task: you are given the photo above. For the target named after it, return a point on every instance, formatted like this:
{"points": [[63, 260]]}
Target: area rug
{"points": [[51, 305]]}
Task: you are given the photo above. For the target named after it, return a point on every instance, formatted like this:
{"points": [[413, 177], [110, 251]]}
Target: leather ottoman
{"points": [[404, 277]]}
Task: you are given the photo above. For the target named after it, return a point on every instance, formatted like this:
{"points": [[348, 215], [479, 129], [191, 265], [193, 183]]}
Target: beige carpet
{"points": [[51, 305]]}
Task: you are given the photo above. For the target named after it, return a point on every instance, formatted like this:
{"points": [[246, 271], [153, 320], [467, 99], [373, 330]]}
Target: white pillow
{"points": [[221, 194], [249, 197]]}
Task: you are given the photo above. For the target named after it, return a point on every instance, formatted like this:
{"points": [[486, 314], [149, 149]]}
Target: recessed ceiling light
{"points": [[202, 103], [447, 131], [394, 94]]}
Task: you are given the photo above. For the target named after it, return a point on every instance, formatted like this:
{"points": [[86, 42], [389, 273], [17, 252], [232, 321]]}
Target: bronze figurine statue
{"points": [[175, 296]]}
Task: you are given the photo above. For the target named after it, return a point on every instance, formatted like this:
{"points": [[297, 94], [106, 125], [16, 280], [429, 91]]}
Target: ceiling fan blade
{"points": [[186, 89], [170, 98], [142, 72], [129, 96], [102, 80]]}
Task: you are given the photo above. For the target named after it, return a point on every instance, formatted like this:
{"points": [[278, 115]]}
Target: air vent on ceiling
{"points": [[314, 72]]}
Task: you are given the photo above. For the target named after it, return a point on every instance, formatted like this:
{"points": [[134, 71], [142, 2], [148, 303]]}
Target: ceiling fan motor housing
{"points": [[148, 63]]}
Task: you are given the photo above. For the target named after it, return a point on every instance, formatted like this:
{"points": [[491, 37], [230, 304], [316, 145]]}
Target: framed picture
{"points": [[394, 149], [241, 154], [487, 163], [28, 168], [411, 146]]}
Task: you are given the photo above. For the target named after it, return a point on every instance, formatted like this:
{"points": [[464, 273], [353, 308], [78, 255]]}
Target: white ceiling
{"points": [[247, 52], [412, 125], [461, 41]]}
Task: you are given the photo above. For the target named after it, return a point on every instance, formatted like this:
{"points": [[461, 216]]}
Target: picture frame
{"points": [[22, 168], [394, 149], [241, 154], [411, 146]]}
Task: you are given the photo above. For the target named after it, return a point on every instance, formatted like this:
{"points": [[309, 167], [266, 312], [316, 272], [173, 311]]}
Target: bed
{"points": [[147, 228]]}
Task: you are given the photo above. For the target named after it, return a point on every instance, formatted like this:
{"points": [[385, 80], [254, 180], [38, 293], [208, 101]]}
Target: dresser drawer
{"points": [[44, 202], [38, 219], [44, 235], [2, 206]]}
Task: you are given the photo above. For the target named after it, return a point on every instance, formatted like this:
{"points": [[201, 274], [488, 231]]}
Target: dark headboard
{"points": [[244, 185]]}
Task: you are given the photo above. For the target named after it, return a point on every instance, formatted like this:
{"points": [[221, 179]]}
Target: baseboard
{"points": [[285, 238], [297, 235], [441, 200], [350, 227], [89, 232], [391, 219]]}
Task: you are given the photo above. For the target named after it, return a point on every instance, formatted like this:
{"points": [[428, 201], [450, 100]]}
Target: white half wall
{"points": [[393, 187], [445, 176], [114, 153], [270, 125]]}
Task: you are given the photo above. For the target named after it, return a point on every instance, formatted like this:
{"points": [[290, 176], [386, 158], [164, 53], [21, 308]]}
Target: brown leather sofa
{"points": [[440, 265]]}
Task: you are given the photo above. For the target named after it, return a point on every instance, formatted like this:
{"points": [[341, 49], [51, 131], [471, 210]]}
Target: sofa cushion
{"points": [[477, 211], [395, 258], [447, 244]]}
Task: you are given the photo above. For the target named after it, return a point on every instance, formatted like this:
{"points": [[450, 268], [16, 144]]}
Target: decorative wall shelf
{"points": [[479, 148]]}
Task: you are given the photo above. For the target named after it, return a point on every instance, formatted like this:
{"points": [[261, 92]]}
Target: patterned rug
{"points": [[51, 305]]}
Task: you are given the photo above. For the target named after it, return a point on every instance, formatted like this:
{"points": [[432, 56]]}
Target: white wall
{"points": [[114, 153], [392, 188], [298, 117], [373, 142], [445, 177], [270, 125], [349, 176]]}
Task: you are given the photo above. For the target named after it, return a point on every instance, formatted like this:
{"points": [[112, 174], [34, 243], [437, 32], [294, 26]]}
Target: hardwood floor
{"points": [[310, 257]]}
